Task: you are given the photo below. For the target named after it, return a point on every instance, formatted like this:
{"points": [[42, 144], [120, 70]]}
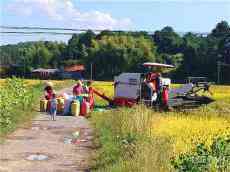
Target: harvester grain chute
{"points": [[154, 90]]}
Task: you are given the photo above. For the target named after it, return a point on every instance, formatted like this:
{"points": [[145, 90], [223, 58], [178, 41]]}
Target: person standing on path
{"points": [[48, 93], [53, 107], [48, 90], [77, 91]]}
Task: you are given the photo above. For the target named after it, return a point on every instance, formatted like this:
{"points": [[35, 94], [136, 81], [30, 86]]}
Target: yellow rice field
{"points": [[31, 82], [186, 129]]}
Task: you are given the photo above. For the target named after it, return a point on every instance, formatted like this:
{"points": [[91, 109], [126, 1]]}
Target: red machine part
{"points": [[91, 98], [102, 95], [165, 96], [117, 101], [120, 101]]}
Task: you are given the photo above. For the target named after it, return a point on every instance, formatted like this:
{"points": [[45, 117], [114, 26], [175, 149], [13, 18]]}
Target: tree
{"points": [[86, 38], [112, 55], [116, 52], [221, 30], [42, 57], [167, 41]]}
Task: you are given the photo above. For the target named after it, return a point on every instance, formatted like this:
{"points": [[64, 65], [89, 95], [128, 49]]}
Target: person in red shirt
{"points": [[48, 93], [48, 90], [77, 89]]}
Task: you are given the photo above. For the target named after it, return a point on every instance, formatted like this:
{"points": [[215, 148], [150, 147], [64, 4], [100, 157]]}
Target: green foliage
{"points": [[167, 41], [221, 30], [112, 55], [215, 158], [70, 62], [15, 101], [26, 56], [115, 52]]}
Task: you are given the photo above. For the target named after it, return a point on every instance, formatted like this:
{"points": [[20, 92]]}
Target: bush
{"points": [[15, 101], [215, 158]]}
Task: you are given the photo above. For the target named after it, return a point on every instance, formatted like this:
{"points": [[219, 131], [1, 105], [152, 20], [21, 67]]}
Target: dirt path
{"points": [[46, 146]]}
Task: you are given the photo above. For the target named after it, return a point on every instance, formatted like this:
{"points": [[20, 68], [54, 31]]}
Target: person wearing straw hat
{"points": [[48, 93], [48, 90], [78, 89]]}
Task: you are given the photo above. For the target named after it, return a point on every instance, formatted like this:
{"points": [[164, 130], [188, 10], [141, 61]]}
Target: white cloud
{"points": [[65, 12]]}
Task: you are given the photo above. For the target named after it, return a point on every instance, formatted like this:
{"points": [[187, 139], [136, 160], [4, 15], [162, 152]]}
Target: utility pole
{"points": [[91, 71], [24, 58], [219, 64], [218, 71]]}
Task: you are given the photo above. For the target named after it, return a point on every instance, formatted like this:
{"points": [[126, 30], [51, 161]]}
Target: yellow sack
{"points": [[43, 105], [60, 105], [75, 108]]}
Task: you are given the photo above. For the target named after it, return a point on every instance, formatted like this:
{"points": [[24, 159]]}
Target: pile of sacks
{"points": [[70, 105]]}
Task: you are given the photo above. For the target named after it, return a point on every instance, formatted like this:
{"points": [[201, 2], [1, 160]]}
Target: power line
{"points": [[52, 31], [55, 28], [30, 33], [84, 30]]}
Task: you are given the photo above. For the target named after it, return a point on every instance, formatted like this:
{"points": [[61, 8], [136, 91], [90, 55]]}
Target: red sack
{"points": [[84, 108], [165, 96]]}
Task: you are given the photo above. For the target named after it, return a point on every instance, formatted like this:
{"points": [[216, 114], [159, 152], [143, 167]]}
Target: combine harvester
{"points": [[154, 90]]}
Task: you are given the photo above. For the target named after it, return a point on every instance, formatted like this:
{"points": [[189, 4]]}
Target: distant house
{"points": [[73, 71], [4, 70], [68, 72], [45, 73]]}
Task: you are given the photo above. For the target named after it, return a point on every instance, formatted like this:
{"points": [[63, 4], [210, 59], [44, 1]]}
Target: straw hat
{"points": [[48, 83], [79, 82]]}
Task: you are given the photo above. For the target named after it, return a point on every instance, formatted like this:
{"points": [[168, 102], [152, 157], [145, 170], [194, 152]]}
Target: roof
{"points": [[45, 70], [74, 68], [150, 64], [10, 65], [4, 65]]}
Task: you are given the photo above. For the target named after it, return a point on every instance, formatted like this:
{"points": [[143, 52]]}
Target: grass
{"points": [[140, 139]]}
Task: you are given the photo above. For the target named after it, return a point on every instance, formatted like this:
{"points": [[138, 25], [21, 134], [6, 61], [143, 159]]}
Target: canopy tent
{"points": [[150, 64]]}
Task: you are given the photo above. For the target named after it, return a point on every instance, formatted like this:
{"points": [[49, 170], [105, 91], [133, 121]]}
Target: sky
{"points": [[148, 15]]}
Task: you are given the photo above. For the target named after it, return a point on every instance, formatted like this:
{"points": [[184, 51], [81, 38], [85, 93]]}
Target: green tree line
{"points": [[114, 52]]}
